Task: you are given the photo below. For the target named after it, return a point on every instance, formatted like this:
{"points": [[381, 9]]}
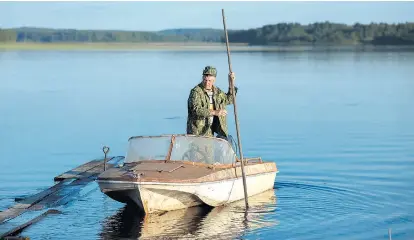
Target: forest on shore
{"points": [[274, 34]]}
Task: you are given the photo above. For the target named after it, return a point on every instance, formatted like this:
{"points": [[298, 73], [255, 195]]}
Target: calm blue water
{"points": [[340, 127]]}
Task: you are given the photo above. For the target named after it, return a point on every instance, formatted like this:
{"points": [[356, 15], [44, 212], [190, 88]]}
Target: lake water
{"points": [[339, 125]]}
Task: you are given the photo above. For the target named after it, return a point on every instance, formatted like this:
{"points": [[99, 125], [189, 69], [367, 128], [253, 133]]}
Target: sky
{"points": [[153, 16]]}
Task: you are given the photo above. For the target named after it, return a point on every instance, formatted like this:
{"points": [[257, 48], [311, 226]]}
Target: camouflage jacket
{"points": [[199, 113]]}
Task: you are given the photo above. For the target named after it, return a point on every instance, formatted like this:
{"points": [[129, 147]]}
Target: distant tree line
{"points": [[327, 33], [45, 35], [7, 35], [276, 34]]}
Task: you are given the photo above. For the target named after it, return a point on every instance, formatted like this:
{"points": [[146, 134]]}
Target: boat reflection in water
{"points": [[199, 222]]}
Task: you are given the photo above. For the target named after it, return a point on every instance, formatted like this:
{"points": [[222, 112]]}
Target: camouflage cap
{"points": [[209, 70]]}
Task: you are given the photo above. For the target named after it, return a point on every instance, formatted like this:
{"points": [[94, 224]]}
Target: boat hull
{"points": [[153, 197]]}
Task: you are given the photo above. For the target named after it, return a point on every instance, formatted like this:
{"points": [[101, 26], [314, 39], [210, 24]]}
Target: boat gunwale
{"points": [[230, 173], [201, 164], [178, 135], [183, 182]]}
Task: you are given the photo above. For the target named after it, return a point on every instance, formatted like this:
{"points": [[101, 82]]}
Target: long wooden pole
{"points": [[235, 112]]}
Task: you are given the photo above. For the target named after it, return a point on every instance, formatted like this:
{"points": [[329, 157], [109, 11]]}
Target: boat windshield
{"points": [[185, 148], [148, 148]]}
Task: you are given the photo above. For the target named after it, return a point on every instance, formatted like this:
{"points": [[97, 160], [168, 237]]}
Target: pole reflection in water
{"points": [[194, 223]]}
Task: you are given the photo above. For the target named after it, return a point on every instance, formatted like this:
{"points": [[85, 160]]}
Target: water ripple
{"points": [[345, 172]]}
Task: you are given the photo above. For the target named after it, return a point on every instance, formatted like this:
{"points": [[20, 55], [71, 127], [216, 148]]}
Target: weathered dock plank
{"points": [[94, 166], [56, 194], [13, 211], [15, 230], [70, 191], [77, 172], [26, 203], [32, 199], [53, 196]]}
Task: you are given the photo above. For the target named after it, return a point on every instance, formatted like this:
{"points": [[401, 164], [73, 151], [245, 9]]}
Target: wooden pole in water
{"points": [[235, 112]]}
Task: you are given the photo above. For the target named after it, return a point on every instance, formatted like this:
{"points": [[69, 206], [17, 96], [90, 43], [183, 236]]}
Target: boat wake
{"points": [[281, 185]]}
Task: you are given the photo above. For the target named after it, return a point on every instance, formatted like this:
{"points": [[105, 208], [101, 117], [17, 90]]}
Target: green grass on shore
{"points": [[188, 46], [115, 46]]}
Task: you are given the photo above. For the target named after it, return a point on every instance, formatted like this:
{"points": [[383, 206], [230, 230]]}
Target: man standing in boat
{"points": [[207, 106]]}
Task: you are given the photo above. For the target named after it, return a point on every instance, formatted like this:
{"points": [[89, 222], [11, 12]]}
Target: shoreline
{"points": [[192, 46]]}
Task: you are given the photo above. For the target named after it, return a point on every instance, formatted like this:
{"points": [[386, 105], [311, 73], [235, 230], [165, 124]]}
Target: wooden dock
{"points": [[68, 185]]}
